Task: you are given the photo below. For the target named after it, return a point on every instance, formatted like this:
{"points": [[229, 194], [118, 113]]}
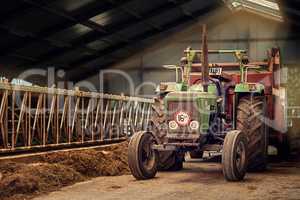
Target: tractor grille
{"points": [[183, 131], [185, 106]]}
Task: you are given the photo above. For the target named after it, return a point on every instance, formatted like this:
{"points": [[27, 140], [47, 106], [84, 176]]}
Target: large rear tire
{"points": [[251, 112], [234, 156], [168, 160], [142, 159]]}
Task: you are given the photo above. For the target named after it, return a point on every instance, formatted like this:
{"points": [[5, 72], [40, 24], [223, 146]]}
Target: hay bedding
{"points": [[19, 180]]}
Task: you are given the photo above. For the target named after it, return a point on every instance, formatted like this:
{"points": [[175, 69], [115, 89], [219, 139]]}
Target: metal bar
{"points": [[226, 51], [204, 60], [148, 115], [121, 119], [57, 121], [113, 120], [22, 111], [143, 115], [75, 93], [75, 113], [37, 111], [51, 113], [82, 120], [88, 114], [137, 107], [3, 102], [69, 122], [13, 101], [4, 122], [97, 113], [44, 121], [92, 120], [66, 101], [61, 146], [105, 119], [229, 65], [29, 120], [114, 114], [129, 119]]}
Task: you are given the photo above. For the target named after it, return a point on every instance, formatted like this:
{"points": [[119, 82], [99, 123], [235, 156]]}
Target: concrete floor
{"points": [[199, 180]]}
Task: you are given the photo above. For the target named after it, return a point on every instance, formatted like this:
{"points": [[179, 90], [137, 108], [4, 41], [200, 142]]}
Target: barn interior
{"points": [[63, 57]]}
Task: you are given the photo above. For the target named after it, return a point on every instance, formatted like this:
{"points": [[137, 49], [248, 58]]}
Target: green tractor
{"points": [[204, 113]]}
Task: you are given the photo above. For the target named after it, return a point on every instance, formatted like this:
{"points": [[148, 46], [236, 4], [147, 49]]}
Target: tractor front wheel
{"points": [[234, 156], [142, 159]]}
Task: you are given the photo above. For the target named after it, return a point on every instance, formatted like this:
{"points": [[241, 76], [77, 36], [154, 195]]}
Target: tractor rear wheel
{"points": [[234, 156], [251, 121], [142, 159], [168, 160]]}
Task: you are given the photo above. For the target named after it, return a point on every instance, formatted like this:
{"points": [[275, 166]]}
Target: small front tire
{"points": [[234, 156], [142, 159]]}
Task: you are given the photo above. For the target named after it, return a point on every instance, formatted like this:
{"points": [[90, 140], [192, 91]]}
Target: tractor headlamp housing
{"points": [[194, 125], [173, 125]]}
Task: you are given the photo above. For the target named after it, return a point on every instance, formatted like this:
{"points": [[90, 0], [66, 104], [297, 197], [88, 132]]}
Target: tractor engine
{"points": [[189, 114]]}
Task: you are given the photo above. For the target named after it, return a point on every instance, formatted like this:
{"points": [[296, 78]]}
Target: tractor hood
{"points": [[189, 96], [198, 106], [166, 87]]}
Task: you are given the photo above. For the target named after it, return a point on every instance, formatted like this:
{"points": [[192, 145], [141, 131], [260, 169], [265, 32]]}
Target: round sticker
{"points": [[182, 118]]}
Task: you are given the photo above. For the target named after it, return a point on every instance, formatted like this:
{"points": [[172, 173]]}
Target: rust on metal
{"points": [[204, 60]]}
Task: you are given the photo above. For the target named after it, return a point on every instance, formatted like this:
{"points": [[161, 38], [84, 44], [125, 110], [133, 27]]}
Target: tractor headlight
{"points": [[194, 125], [173, 125]]}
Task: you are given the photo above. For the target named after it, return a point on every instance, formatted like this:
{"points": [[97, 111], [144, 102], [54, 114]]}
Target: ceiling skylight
{"points": [[265, 8], [266, 3]]}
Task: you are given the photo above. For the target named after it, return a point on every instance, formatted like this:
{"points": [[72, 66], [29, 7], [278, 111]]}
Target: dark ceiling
{"points": [[87, 35]]}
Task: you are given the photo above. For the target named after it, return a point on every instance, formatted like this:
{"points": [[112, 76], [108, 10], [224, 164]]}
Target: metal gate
{"points": [[39, 117]]}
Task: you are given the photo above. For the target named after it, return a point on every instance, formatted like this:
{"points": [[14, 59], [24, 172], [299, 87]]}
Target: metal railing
{"points": [[39, 117]]}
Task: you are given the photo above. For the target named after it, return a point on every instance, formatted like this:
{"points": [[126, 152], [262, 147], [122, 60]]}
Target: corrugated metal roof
{"points": [[92, 34]]}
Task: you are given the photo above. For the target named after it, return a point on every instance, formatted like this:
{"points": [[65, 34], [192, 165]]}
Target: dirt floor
{"points": [[199, 180], [72, 175], [24, 178]]}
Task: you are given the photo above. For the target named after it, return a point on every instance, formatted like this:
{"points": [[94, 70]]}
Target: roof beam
{"points": [[56, 11], [171, 5], [133, 13], [185, 12], [138, 41], [93, 36], [42, 35]]}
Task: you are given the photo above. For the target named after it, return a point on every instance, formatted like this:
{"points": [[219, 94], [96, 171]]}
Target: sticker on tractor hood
{"points": [[217, 71], [182, 118]]}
